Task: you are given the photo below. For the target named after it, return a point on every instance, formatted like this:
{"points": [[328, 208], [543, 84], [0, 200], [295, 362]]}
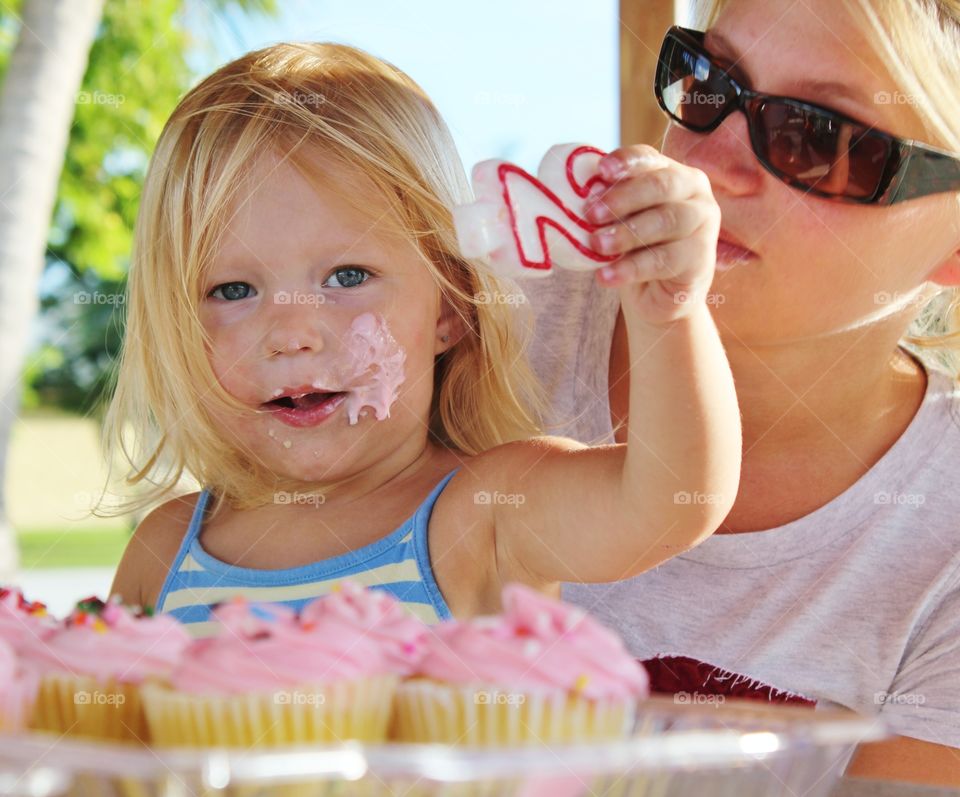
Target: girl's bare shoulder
{"points": [[152, 550], [467, 561]]}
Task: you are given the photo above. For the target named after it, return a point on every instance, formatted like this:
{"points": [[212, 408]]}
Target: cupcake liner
{"points": [[16, 705], [328, 713], [428, 712], [85, 706]]}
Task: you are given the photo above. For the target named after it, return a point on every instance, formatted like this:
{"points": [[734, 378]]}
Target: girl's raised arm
{"points": [[565, 512]]}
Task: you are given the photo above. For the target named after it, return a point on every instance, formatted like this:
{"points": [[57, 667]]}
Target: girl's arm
{"points": [[565, 512]]}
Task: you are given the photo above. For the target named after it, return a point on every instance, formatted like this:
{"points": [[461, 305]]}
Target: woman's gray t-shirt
{"points": [[856, 604]]}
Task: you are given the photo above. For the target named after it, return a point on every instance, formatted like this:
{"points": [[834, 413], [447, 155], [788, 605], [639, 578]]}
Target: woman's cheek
{"points": [[858, 239]]}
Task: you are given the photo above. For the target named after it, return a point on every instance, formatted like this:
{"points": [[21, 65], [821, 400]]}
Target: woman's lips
{"points": [[730, 254], [308, 414]]}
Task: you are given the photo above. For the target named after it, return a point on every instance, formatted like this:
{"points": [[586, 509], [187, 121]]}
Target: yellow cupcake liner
{"points": [[430, 712], [327, 713], [84, 706], [15, 709]]}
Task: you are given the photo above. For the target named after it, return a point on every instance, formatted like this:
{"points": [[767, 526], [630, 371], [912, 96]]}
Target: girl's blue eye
{"points": [[232, 291], [348, 277]]}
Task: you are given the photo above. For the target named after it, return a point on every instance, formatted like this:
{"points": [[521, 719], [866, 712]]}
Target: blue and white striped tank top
{"points": [[398, 563]]}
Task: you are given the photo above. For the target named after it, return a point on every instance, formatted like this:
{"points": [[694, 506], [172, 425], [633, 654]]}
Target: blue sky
{"points": [[510, 78]]}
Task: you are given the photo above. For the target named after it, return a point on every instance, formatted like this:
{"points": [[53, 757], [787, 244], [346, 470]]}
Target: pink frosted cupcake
{"points": [[271, 677], [18, 691], [93, 668], [542, 671], [22, 624]]}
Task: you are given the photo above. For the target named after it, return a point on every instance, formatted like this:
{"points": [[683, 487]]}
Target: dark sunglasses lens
{"points": [[692, 90], [820, 151]]}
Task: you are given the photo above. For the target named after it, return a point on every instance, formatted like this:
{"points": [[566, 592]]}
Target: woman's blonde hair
{"points": [[298, 100], [919, 40]]}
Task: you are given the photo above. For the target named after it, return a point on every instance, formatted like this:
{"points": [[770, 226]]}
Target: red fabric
{"points": [[672, 674]]}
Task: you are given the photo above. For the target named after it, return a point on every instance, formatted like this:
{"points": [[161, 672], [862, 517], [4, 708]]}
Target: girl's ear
{"points": [[947, 274], [449, 328]]}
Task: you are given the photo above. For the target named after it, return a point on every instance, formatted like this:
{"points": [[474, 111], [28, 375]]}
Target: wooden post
{"points": [[642, 25]]}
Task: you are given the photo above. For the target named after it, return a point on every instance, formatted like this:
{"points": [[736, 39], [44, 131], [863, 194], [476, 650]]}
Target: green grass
{"points": [[44, 547]]}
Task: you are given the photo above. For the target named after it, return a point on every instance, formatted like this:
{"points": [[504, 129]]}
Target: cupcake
{"points": [[542, 671], [18, 691], [272, 677], [23, 623], [93, 668]]}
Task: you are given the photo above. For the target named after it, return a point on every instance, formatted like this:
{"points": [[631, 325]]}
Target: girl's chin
{"points": [[308, 474]]}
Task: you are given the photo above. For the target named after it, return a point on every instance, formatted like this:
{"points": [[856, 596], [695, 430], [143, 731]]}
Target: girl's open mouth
{"points": [[307, 409]]}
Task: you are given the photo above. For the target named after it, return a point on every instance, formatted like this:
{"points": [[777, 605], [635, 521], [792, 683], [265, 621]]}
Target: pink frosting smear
{"points": [[402, 638], [539, 645], [265, 647], [368, 368], [111, 643], [373, 367]]}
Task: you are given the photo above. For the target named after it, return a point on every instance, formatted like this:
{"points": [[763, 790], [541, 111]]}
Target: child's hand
{"points": [[662, 215]]}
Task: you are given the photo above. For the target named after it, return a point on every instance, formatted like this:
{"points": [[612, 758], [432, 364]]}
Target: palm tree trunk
{"points": [[36, 109]]}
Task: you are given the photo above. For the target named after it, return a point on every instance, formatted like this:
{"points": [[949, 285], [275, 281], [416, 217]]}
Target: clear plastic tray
{"points": [[738, 748]]}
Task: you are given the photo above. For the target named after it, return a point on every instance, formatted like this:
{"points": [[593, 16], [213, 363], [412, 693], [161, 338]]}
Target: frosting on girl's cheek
{"points": [[371, 367], [368, 369]]}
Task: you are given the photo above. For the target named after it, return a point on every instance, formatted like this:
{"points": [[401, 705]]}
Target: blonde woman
{"points": [[830, 134], [305, 341]]}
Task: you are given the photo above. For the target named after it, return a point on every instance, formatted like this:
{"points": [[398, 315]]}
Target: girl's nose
{"points": [[725, 155], [297, 326]]}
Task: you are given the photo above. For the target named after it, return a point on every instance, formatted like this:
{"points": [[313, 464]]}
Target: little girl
{"points": [[304, 339]]}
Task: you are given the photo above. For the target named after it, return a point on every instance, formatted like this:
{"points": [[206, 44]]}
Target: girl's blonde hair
{"points": [[298, 100], [919, 40]]}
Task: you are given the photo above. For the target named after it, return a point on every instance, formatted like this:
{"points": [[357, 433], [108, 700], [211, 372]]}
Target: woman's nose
{"points": [[725, 155], [297, 325]]}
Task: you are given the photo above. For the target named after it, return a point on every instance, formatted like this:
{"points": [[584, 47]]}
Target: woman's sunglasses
{"points": [[810, 147]]}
